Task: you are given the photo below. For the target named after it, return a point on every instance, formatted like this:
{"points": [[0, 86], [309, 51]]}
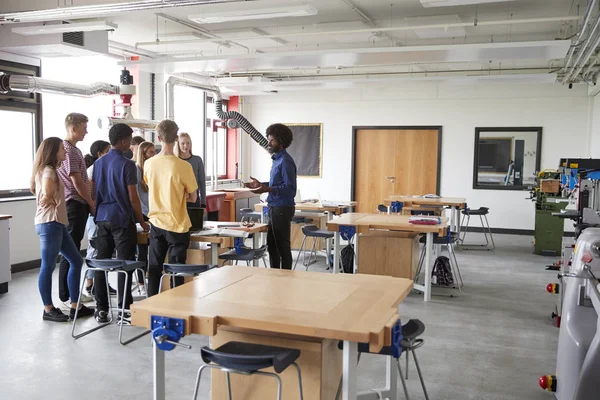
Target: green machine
{"points": [[549, 230]]}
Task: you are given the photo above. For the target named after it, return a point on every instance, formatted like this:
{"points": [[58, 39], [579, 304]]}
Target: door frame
{"points": [[355, 130]]}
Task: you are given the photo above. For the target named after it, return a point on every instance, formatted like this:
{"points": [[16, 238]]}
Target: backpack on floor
{"points": [[442, 272], [347, 259]]}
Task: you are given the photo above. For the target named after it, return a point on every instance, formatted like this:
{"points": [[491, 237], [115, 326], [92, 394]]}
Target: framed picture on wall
{"points": [[307, 149]]}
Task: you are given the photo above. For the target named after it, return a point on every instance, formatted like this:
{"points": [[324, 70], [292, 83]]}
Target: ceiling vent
{"points": [[68, 44]]}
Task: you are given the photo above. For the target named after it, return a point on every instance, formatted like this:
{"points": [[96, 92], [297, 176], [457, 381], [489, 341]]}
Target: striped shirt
{"points": [[74, 163]]}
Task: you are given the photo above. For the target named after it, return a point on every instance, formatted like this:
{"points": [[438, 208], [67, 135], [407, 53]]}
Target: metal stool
{"points": [[249, 359], [382, 209], [174, 270], [482, 212], [106, 266], [245, 254], [249, 215], [410, 333], [447, 241], [314, 232], [395, 350]]}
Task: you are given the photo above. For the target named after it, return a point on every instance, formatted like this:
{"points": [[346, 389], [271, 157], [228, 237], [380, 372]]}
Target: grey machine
{"points": [[578, 359]]}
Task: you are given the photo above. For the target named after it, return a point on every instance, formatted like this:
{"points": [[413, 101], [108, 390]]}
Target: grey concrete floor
{"points": [[491, 343]]}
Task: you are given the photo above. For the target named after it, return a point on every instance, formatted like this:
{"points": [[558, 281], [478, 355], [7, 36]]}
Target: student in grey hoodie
{"points": [[184, 151]]}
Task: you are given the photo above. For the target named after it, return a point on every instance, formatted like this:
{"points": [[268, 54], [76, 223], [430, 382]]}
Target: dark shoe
{"points": [[83, 312], [55, 315], [112, 291], [101, 316], [126, 320]]}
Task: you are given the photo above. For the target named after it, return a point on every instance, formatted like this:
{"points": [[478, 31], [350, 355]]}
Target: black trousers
{"points": [[78, 214], [161, 243], [108, 238], [278, 236]]}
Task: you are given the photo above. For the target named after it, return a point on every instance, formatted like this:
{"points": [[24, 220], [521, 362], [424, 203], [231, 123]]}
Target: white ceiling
{"points": [[500, 49]]}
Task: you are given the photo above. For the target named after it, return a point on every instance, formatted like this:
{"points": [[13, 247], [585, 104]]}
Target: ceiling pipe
{"points": [[99, 10], [580, 36], [367, 19], [30, 84], [575, 71], [370, 30], [577, 65]]}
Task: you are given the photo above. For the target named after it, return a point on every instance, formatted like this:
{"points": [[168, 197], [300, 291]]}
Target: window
{"points": [[18, 130], [84, 71], [188, 108], [221, 134], [20, 116]]}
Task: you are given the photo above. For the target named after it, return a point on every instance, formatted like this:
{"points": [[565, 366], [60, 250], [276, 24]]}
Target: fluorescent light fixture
{"points": [[450, 3], [63, 28], [252, 14]]}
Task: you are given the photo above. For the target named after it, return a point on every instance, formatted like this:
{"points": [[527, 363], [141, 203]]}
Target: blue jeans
{"points": [[54, 239]]}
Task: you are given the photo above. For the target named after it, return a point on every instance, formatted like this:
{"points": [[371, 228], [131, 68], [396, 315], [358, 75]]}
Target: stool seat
{"points": [[299, 219], [314, 231], [412, 329], [245, 254], [251, 214], [112, 265], [382, 208], [478, 211], [190, 269], [249, 357]]}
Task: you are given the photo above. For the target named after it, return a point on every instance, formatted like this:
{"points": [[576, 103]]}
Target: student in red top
{"points": [[72, 172]]}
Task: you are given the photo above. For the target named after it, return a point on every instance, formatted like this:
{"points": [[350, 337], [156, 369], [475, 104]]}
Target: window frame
{"points": [[206, 133], [19, 103]]}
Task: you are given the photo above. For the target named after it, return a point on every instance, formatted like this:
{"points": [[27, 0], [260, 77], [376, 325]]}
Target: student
{"points": [[135, 142], [51, 225], [72, 173], [145, 151], [184, 151], [118, 208], [171, 182], [282, 190], [97, 150]]}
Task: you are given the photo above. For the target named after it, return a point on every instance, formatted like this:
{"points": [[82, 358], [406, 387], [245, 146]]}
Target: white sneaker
{"points": [[86, 297], [139, 290]]}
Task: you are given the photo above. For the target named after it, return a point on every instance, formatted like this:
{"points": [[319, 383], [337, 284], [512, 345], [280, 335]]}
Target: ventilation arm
{"points": [[30, 84]]}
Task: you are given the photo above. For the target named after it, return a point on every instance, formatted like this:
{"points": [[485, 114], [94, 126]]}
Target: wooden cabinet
{"points": [[389, 253], [235, 199]]}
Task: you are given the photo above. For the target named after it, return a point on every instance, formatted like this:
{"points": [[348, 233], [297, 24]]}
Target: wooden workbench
{"points": [[282, 304], [366, 223], [455, 203], [235, 199], [316, 207]]}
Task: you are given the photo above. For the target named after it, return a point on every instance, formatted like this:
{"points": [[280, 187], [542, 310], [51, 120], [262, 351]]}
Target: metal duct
{"points": [[107, 122], [244, 123], [30, 84]]}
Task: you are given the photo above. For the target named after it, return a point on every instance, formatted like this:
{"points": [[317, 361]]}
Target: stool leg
{"points": [[402, 378], [198, 376], [421, 259], [420, 374], [312, 250], [487, 242], [124, 343], [490, 231], [407, 364], [228, 377], [453, 254], [468, 218], [82, 334], [160, 283], [299, 380], [299, 252], [77, 308]]}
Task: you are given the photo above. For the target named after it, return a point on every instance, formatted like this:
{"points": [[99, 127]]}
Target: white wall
{"points": [[595, 128], [564, 114]]}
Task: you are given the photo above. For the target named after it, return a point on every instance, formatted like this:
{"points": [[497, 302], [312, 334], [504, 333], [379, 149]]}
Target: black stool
{"points": [[314, 232], [382, 208], [174, 270], [249, 359], [106, 266], [482, 212], [411, 332], [245, 254]]}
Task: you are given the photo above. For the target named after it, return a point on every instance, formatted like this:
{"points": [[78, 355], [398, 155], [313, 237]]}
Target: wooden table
{"points": [[367, 222], [235, 199], [455, 204], [217, 241], [352, 308]]}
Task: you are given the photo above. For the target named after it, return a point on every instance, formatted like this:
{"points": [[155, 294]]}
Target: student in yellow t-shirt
{"points": [[171, 183]]}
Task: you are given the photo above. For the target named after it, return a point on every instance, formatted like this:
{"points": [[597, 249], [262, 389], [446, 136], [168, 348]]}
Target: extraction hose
{"points": [[244, 123]]}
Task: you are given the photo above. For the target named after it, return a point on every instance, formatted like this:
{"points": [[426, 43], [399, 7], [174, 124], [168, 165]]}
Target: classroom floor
{"points": [[491, 343]]}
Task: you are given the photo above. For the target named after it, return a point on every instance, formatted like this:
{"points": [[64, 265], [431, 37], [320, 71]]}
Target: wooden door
{"points": [[394, 161]]}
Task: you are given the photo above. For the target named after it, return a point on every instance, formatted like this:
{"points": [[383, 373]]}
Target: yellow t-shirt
{"points": [[169, 179]]}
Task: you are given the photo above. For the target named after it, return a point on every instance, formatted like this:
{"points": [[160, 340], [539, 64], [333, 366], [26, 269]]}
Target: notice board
{"points": [[307, 148]]}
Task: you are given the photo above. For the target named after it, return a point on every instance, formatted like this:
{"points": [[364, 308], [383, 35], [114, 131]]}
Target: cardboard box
{"points": [[550, 185]]}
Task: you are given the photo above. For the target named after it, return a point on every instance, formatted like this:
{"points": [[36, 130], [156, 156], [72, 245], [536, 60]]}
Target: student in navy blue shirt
{"points": [[282, 191], [118, 207]]}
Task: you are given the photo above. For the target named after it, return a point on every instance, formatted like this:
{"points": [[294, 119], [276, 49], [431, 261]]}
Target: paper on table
{"points": [[222, 232]]}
